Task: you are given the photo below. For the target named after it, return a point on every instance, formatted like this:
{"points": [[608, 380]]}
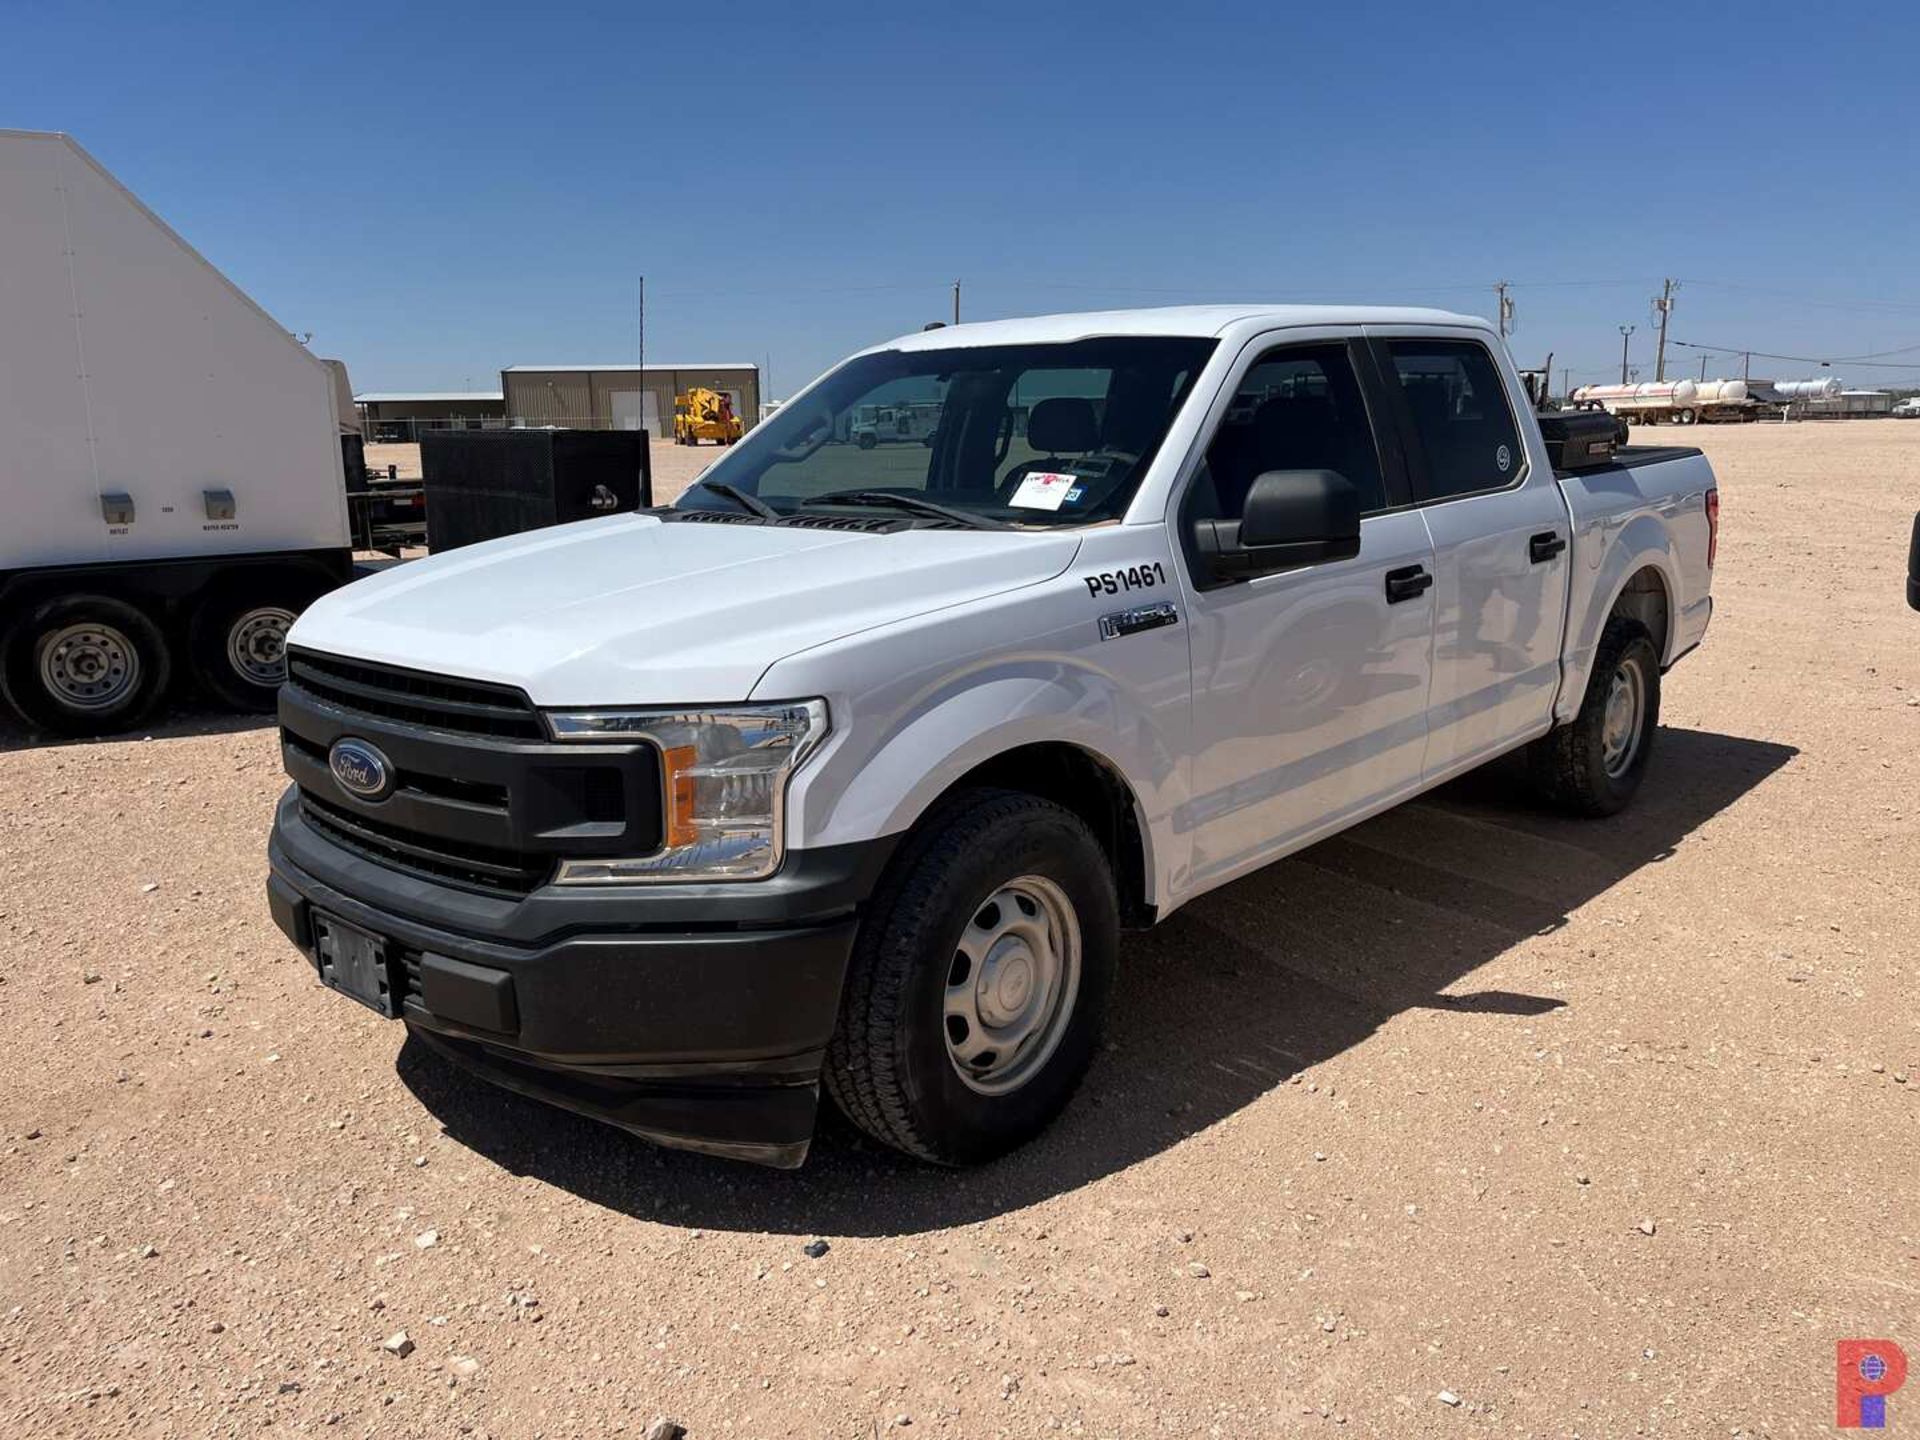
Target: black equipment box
{"points": [[1581, 439], [482, 484]]}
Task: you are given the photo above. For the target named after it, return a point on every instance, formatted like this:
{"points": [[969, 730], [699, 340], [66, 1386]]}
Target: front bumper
{"points": [[696, 1016]]}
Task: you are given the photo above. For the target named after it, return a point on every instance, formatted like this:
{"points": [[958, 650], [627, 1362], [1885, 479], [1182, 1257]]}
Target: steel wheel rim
{"points": [[1012, 984], [1623, 718], [257, 645], [89, 666]]}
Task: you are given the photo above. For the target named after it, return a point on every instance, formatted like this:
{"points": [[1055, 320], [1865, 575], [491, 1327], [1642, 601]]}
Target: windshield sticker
{"points": [[1043, 490], [1503, 458]]}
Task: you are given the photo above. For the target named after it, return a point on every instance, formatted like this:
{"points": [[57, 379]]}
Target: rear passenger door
{"points": [[1309, 686], [1501, 545]]}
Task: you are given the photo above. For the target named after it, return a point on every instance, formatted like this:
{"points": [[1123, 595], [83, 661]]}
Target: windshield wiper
{"points": [[913, 503], [752, 504]]}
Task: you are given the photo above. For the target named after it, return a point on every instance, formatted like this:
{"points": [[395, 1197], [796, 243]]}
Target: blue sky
{"points": [[438, 191]]}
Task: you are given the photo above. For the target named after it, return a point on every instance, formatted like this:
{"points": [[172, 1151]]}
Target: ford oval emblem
{"points": [[360, 768]]}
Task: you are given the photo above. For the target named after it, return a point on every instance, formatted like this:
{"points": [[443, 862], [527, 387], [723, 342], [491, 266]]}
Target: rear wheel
{"points": [[1594, 765], [238, 640], [978, 982], [84, 665]]}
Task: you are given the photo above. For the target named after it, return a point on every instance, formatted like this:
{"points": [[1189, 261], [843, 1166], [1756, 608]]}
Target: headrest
{"points": [[1064, 423]]}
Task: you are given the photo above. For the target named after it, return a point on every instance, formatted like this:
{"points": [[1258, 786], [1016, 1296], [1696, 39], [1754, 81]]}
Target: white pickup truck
{"points": [[853, 765]]}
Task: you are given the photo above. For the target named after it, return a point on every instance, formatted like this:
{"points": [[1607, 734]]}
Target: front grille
{"points": [[432, 857], [409, 979], [473, 793], [481, 798], [465, 707]]}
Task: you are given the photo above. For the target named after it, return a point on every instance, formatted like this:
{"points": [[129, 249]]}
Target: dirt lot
{"points": [[1479, 1121]]}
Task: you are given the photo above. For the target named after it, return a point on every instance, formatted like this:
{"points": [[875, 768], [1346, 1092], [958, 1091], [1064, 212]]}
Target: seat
{"points": [[1063, 425]]}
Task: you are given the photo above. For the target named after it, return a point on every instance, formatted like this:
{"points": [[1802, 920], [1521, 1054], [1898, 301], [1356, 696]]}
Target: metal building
{"points": [[619, 397], [402, 415]]}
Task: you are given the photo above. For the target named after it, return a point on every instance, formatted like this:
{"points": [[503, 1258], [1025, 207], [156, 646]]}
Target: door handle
{"points": [[1409, 582], [1544, 546]]}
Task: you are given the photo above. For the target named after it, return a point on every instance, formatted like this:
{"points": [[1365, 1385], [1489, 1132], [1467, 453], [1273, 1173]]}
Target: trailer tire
{"points": [[84, 665], [1593, 766], [997, 919], [236, 641]]}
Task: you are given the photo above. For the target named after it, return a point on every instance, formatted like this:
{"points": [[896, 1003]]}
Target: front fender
{"points": [[913, 712]]}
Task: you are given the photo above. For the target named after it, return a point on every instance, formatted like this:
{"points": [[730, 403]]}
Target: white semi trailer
{"points": [[171, 472]]}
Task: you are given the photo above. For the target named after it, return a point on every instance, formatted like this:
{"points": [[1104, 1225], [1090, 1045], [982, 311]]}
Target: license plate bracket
{"points": [[355, 963]]}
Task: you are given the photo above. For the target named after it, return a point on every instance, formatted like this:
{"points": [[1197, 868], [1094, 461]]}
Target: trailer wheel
{"points": [[237, 639], [1594, 765], [978, 982], [84, 665], [1687, 417]]}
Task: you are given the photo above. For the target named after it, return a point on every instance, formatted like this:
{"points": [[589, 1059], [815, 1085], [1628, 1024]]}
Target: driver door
{"points": [[1311, 685]]}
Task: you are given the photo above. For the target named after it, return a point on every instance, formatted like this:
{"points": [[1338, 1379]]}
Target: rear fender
{"points": [[1643, 542]]}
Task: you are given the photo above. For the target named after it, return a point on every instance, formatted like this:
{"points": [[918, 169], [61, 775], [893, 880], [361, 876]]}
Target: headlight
{"points": [[724, 776]]}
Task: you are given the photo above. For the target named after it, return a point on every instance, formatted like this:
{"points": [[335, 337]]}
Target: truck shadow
{"points": [[1229, 999], [173, 722]]}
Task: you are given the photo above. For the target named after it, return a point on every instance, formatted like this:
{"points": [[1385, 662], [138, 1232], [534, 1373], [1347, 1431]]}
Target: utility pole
{"points": [[1746, 365], [1505, 309], [956, 302], [1663, 308], [1703, 369], [1566, 381], [643, 323], [1625, 331]]}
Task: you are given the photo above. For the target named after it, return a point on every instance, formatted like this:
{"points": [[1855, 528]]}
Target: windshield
{"points": [[1056, 434]]}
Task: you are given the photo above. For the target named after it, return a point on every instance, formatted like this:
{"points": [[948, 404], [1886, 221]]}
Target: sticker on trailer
{"points": [[1043, 490]]}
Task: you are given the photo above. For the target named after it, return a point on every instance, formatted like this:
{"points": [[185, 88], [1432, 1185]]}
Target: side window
{"points": [[1460, 415], [1297, 409]]}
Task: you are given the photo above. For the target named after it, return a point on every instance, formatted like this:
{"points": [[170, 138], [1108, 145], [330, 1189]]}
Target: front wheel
{"points": [[1594, 765], [979, 980]]}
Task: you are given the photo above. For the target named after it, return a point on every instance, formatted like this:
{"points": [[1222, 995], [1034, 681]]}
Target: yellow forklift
{"points": [[703, 414]]}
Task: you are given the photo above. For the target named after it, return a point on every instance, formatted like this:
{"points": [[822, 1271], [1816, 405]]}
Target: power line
{"points": [[1828, 360], [1819, 303]]}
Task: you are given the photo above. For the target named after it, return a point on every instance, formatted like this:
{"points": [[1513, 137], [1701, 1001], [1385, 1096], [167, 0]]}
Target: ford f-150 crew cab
{"points": [[851, 766]]}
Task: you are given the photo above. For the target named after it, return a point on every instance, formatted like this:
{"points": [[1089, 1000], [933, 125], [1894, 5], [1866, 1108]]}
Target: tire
{"points": [[1577, 767], [84, 665], [866, 440], [237, 642], [988, 873], [1687, 417]]}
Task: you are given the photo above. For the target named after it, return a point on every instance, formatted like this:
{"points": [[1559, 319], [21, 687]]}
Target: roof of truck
{"points": [[1171, 320]]}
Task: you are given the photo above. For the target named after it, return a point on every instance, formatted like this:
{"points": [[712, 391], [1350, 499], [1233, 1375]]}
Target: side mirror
{"points": [[808, 436], [1291, 518]]}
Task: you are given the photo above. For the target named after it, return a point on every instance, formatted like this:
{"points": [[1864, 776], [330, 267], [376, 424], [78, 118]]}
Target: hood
{"points": [[631, 610]]}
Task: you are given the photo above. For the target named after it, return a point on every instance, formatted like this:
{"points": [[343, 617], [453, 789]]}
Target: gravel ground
{"points": [[1471, 1121]]}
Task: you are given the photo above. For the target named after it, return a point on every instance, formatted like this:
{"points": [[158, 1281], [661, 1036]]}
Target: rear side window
{"points": [[1297, 409], [1461, 419]]}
